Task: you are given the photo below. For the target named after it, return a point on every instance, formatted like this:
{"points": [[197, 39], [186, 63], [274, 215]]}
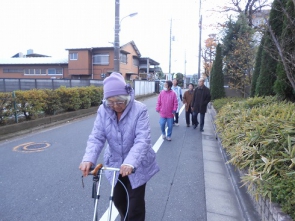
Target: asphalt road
{"points": [[43, 182]]}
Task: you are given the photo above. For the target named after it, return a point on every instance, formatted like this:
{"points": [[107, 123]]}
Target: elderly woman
{"points": [[124, 123]]}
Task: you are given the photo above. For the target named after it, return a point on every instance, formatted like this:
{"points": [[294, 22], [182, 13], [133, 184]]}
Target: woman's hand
{"points": [[125, 170], [85, 167]]}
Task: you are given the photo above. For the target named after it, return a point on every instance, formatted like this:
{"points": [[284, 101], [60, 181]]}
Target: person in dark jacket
{"points": [[187, 101], [199, 104]]}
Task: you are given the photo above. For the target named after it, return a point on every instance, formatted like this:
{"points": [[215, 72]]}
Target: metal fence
{"points": [[9, 85], [144, 87]]}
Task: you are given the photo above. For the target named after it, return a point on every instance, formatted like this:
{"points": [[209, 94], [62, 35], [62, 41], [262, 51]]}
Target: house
{"points": [[82, 63], [33, 65], [37, 67], [145, 70], [98, 62]]}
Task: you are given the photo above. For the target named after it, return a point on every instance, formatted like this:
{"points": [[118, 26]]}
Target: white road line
{"points": [[156, 147], [114, 215], [159, 142]]}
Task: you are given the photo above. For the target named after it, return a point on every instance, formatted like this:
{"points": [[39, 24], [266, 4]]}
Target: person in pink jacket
{"points": [[167, 106]]}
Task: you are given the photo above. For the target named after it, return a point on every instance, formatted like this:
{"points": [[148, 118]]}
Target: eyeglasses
{"points": [[113, 103]]}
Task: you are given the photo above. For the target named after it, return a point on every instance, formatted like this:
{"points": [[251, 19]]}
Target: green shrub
{"points": [[84, 94], [219, 103], [6, 107], [70, 98], [53, 102], [34, 102], [259, 136], [30, 103], [96, 95]]}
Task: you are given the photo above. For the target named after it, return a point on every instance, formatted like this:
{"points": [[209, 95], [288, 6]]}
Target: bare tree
{"points": [[285, 45], [248, 7]]}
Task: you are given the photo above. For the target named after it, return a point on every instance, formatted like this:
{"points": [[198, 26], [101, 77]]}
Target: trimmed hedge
{"points": [[34, 102], [259, 135]]}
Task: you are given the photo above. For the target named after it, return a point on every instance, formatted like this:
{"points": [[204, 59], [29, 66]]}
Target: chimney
{"points": [[29, 51]]}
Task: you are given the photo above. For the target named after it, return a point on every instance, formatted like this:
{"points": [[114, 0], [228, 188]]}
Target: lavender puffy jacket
{"points": [[129, 141]]}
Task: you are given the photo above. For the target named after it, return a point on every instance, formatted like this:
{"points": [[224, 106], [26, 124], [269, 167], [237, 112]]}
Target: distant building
{"points": [[30, 53], [259, 19], [148, 68], [82, 63]]}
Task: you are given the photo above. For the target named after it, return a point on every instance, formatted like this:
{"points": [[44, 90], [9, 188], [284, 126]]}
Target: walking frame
{"points": [[97, 173]]}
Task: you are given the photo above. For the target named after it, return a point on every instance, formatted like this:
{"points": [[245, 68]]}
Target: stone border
{"points": [[268, 211]]}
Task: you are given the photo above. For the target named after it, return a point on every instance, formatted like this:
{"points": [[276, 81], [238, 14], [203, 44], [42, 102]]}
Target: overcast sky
{"points": [[50, 26]]}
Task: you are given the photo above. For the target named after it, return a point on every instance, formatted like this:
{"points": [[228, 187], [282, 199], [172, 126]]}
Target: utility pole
{"points": [[184, 80], [117, 38], [200, 41], [170, 47]]}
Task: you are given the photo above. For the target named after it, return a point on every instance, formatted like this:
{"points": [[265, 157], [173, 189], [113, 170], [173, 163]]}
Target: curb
{"points": [[245, 202], [263, 208]]}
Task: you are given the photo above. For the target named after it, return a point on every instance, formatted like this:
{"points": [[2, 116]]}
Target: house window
{"points": [[29, 71], [123, 58], [135, 62], [54, 71], [51, 71], [101, 59], [58, 71], [14, 70], [42, 71], [74, 56]]}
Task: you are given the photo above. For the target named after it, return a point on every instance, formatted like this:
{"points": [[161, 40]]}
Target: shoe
{"points": [[188, 125], [176, 124], [201, 130], [196, 125], [163, 136], [168, 138]]}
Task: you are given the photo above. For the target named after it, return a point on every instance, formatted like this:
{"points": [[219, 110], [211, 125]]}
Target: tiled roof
{"points": [[35, 60]]}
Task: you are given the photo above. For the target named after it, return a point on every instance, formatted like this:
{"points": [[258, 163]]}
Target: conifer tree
{"points": [[269, 57], [256, 68], [282, 86], [239, 54], [216, 76]]}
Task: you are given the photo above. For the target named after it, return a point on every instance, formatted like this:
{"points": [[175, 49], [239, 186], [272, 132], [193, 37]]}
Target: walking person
{"points": [[199, 104], [178, 93], [166, 107], [187, 101], [123, 123]]}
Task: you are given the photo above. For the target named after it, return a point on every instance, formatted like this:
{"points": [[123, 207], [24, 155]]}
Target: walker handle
{"points": [[94, 171]]}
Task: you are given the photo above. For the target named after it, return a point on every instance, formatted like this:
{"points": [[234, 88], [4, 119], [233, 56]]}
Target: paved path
{"points": [[194, 183]]}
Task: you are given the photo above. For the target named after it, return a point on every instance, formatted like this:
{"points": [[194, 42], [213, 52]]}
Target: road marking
{"points": [[159, 142], [31, 147], [114, 215], [156, 147]]}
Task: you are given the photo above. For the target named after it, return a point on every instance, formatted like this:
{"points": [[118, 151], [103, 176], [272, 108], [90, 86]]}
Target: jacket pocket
{"points": [[150, 158], [112, 161]]}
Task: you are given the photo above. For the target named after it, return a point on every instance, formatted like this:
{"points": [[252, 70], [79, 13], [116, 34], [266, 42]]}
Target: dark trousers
{"points": [[136, 211], [176, 118], [202, 119], [187, 116]]}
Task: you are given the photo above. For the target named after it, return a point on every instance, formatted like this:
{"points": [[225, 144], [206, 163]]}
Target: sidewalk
{"points": [[225, 199]]}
